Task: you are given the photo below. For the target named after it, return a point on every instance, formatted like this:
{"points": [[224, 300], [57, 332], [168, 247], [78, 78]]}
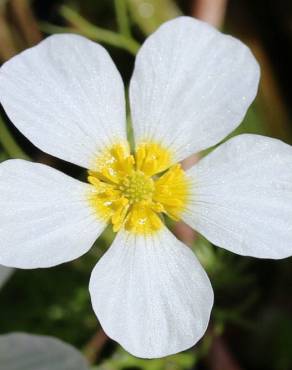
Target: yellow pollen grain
{"points": [[128, 191]]}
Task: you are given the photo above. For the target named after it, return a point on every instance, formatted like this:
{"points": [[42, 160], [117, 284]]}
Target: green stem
{"points": [[52, 28], [9, 144], [98, 34], [122, 17]]}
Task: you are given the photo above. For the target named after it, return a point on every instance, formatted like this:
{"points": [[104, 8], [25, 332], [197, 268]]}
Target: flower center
{"points": [[125, 192], [137, 187]]}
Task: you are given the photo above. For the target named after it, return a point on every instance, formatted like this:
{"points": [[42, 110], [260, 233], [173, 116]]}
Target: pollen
{"points": [[135, 191]]}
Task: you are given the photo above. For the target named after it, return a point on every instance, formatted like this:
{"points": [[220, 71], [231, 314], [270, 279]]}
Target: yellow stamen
{"points": [[151, 158], [142, 219], [172, 190], [125, 193], [115, 163]]}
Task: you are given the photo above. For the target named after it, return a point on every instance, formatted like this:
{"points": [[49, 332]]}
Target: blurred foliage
{"points": [[252, 298], [148, 15], [122, 360]]}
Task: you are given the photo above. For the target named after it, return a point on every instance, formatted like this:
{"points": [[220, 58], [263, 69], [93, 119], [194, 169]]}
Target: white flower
{"points": [[191, 87], [37, 352]]}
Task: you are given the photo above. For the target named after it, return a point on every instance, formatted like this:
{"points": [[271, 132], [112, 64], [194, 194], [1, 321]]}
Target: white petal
{"points": [[20, 351], [242, 197], [66, 96], [191, 86], [44, 216], [151, 294]]}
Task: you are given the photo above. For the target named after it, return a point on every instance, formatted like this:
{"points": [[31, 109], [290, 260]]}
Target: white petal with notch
{"points": [[45, 217], [151, 294], [66, 96], [242, 197], [191, 86]]}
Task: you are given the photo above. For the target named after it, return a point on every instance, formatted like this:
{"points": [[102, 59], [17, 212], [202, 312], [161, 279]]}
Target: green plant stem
{"points": [[9, 144], [98, 34], [52, 28], [122, 17]]}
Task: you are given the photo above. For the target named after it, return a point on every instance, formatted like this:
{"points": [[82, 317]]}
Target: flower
{"points": [[190, 88], [35, 352]]}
